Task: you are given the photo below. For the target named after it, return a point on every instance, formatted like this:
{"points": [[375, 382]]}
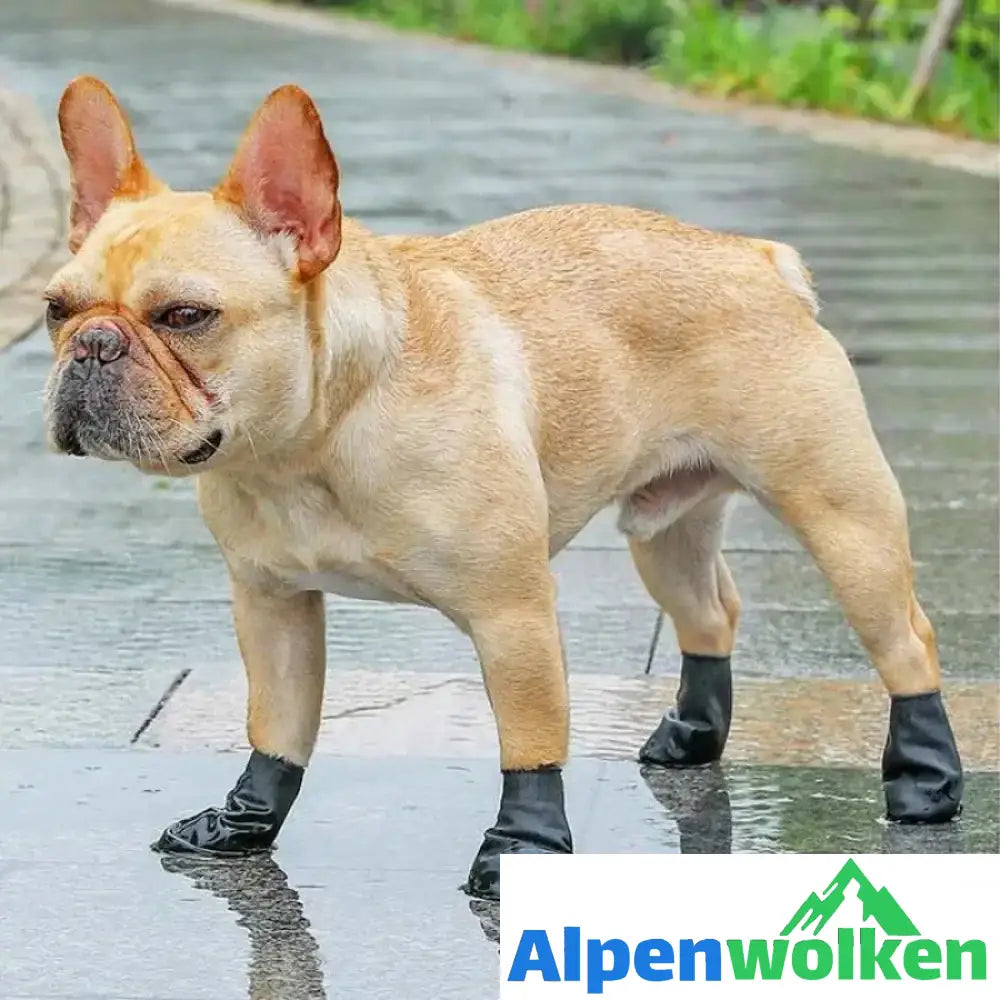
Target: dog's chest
{"points": [[330, 555], [303, 538], [356, 583]]}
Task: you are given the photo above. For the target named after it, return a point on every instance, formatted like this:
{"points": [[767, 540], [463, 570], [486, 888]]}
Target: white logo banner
{"points": [[803, 925]]}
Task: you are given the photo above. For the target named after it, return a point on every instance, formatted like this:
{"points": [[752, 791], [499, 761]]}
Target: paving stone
{"points": [[321, 918], [446, 714], [32, 224]]}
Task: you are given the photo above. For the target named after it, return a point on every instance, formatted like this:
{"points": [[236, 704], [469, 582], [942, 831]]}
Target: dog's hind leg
{"points": [[684, 571], [825, 476]]}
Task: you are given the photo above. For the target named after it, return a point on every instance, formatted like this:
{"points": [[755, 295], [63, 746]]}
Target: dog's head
{"points": [[180, 324]]}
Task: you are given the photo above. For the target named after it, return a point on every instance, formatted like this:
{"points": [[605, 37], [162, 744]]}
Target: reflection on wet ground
{"points": [[698, 814], [368, 867], [284, 956], [698, 802], [722, 810]]}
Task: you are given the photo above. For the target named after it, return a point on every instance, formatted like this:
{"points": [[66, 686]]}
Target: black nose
{"points": [[103, 342]]}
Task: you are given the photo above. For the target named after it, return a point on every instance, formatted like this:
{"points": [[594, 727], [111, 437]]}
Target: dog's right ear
{"points": [[284, 179], [103, 161]]}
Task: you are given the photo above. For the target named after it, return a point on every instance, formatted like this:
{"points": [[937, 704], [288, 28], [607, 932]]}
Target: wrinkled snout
{"points": [[101, 343], [115, 393], [87, 412]]}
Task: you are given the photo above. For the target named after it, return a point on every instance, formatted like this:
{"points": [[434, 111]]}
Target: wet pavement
{"points": [[112, 594], [333, 912]]}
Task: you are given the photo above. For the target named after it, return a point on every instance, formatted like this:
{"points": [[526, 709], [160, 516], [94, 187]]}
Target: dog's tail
{"points": [[794, 273], [796, 276]]}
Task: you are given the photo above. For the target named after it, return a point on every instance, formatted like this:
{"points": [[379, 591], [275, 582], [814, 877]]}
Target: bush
{"points": [[619, 31], [836, 61]]}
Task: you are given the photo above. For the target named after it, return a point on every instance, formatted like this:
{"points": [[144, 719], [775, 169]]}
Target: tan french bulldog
{"points": [[431, 419]]}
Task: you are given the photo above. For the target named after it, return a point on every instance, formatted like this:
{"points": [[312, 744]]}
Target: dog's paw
{"points": [[921, 769], [249, 821], [914, 799], [531, 820], [695, 732], [484, 876], [680, 742], [218, 833]]}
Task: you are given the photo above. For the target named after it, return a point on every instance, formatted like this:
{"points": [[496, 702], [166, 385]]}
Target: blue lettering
{"points": [[597, 974], [571, 954], [710, 948], [654, 950], [526, 960]]}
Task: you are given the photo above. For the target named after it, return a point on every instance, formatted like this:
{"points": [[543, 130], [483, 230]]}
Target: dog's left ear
{"points": [[284, 178], [103, 161]]}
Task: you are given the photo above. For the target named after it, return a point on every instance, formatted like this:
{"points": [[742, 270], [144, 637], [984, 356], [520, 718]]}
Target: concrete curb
{"points": [[899, 141], [33, 206]]}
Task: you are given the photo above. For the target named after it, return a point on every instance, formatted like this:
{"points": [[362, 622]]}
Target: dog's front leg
{"points": [[282, 640], [520, 651]]}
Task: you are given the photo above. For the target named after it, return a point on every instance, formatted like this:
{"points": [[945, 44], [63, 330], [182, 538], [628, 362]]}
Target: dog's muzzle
{"points": [[87, 412], [111, 400]]}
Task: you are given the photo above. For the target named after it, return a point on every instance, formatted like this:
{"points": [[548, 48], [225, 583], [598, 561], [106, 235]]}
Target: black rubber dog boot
{"points": [[532, 820], [695, 732], [250, 819], [921, 769]]}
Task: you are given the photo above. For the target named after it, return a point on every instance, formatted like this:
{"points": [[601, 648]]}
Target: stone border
{"points": [[885, 139], [33, 214]]}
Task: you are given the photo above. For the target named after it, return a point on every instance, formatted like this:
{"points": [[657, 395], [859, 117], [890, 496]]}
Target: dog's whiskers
{"points": [[157, 439], [201, 438], [253, 447], [134, 440]]}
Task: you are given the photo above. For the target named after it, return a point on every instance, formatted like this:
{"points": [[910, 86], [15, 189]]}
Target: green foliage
{"points": [[854, 57], [619, 31], [832, 61]]}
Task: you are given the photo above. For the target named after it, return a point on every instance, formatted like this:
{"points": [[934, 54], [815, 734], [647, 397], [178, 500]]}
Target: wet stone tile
{"points": [[804, 721], [328, 915]]}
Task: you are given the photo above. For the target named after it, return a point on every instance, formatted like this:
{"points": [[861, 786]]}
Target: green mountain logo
{"points": [[878, 905]]}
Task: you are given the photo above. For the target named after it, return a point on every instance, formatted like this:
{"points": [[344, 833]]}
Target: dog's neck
{"points": [[355, 323], [355, 315]]}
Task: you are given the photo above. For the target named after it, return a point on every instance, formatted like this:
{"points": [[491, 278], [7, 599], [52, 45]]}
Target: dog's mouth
{"points": [[205, 451]]}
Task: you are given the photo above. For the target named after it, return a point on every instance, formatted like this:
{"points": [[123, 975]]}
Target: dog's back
{"points": [[618, 318]]}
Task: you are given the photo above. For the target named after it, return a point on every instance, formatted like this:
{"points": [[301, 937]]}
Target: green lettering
{"points": [[769, 961], [870, 958], [975, 949], [801, 965], [921, 958], [845, 953]]}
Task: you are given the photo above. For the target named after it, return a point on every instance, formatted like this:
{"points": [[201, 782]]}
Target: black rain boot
{"points": [[921, 769], [695, 731], [531, 820], [250, 819]]}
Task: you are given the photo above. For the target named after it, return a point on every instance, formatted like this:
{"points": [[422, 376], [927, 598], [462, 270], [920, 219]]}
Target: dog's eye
{"points": [[183, 318], [56, 312]]}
